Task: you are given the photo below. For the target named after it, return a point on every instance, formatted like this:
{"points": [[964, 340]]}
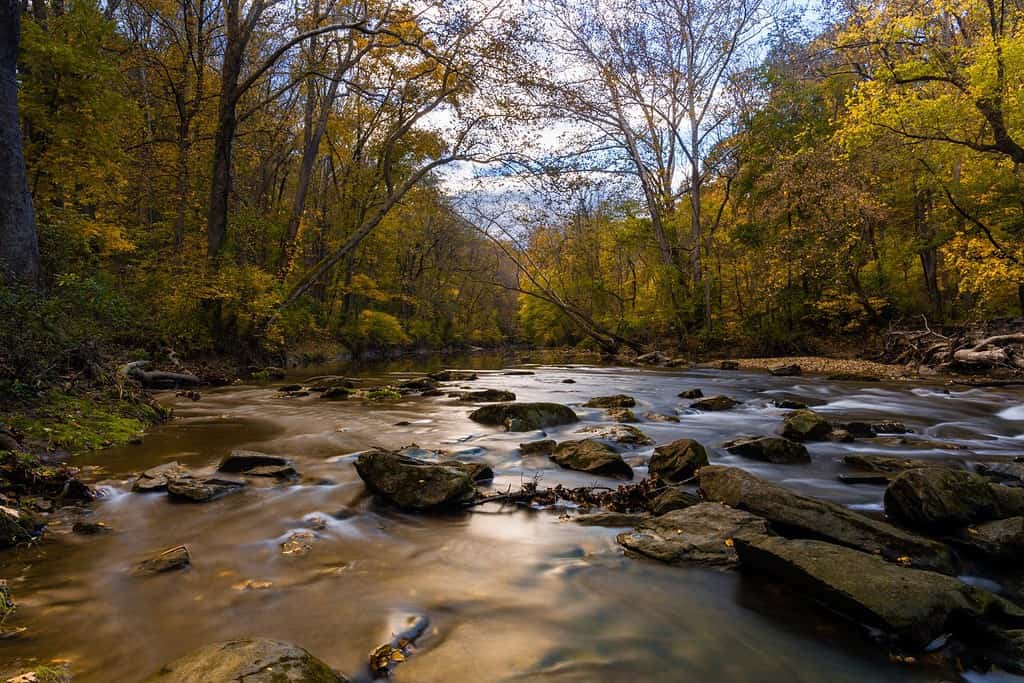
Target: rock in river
{"points": [[934, 498], [166, 561], [592, 456], [524, 417], [805, 425], [242, 461], [413, 483], [202, 490], [627, 435], [252, 661], [156, 478], [916, 606], [678, 460], [485, 396], [542, 447], [791, 370], [672, 499], [795, 515], [616, 401], [453, 376], [774, 449], [702, 533], [17, 526], [715, 403], [1001, 540], [691, 393]]}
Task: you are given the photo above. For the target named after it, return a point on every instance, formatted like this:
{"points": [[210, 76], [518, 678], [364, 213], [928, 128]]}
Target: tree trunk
{"points": [[19, 246]]}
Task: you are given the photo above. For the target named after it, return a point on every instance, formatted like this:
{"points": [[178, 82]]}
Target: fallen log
{"points": [[158, 379]]}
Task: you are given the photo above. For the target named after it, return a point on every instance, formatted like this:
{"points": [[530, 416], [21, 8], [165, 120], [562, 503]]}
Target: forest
{"points": [[244, 178]]}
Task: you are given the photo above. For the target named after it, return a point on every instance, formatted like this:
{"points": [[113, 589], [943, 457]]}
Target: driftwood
{"points": [[384, 658], [636, 497], [976, 348], [157, 379]]}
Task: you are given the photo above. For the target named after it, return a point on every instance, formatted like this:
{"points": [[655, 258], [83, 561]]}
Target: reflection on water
{"points": [[511, 595]]}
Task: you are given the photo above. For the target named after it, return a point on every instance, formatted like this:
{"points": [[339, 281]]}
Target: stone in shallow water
{"points": [[414, 483], [592, 456], [713, 403], [156, 478], [701, 533], [616, 401], [672, 499], [199, 490], [691, 393], [678, 460], [622, 415], [626, 435], [524, 417], [774, 449], [171, 559], [661, 417], [936, 498], [914, 605], [251, 661], [611, 519], [542, 447], [298, 543], [484, 396], [805, 425], [240, 461], [797, 515]]}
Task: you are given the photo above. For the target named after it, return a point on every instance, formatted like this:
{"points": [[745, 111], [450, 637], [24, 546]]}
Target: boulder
{"points": [[937, 499], [242, 461], [691, 393], [774, 449], [167, 561], [202, 490], [252, 661], [626, 435], [672, 499], [914, 605], [1001, 540], [156, 478], [453, 376], [595, 457], [413, 483], [542, 447], [524, 417], [800, 516], [790, 370], [702, 533], [660, 417], [617, 401], [486, 396], [805, 425], [611, 519], [622, 415], [273, 471], [679, 460], [715, 403]]}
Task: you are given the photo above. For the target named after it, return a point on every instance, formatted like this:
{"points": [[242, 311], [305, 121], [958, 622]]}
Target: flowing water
{"points": [[512, 595]]}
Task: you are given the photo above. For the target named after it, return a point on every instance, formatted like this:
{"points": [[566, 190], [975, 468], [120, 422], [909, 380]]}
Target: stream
{"points": [[512, 595]]}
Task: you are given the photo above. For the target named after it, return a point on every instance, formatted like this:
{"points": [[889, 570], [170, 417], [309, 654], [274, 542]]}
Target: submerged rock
{"points": [[789, 404], [1006, 471], [774, 449], [542, 447], [715, 403], [202, 490], [805, 425], [524, 417], [166, 561], [627, 435], [592, 456], [485, 396], [241, 461], [336, 393], [251, 661], [701, 533], [616, 401], [916, 606], [156, 478], [935, 498], [679, 460], [795, 515], [298, 543], [660, 417], [413, 483], [887, 464]]}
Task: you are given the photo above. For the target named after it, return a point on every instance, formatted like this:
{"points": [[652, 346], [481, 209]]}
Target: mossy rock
{"points": [[524, 417], [252, 661]]}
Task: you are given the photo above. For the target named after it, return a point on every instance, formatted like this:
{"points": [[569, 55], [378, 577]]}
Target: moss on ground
{"points": [[79, 422]]}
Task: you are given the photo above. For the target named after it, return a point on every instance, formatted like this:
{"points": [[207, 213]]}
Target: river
{"points": [[512, 595]]}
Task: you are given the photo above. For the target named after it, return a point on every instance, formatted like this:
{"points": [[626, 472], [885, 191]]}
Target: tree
{"points": [[19, 247]]}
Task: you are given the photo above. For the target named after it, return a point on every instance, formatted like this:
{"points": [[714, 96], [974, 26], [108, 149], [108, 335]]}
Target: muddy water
{"points": [[511, 595]]}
